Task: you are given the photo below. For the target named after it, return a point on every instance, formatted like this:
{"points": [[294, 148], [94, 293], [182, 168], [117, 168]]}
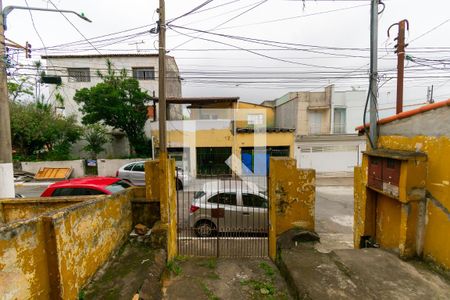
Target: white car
{"points": [[135, 174], [229, 206]]}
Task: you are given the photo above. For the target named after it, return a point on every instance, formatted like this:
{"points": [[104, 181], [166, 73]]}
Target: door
{"points": [[138, 174]]}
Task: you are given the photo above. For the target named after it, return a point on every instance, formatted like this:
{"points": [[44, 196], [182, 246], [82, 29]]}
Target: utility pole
{"points": [[6, 166], [162, 79], [402, 25], [373, 134]]}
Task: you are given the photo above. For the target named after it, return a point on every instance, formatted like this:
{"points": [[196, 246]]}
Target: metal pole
{"points": [[162, 78], [6, 166], [373, 134], [400, 65]]}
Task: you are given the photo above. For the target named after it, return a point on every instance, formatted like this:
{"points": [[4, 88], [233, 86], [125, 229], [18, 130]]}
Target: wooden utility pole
{"points": [[402, 25], [6, 166], [162, 79], [373, 134]]}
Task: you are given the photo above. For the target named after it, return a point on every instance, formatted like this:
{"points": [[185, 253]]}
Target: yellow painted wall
{"points": [[437, 231], [244, 109], [292, 194], [23, 261], [86, 234], [14, 210]]}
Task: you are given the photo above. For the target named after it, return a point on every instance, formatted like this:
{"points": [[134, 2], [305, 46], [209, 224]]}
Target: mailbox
{"points": [[395, 173]]}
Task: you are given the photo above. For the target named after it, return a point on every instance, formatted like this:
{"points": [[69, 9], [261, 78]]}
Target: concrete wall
{"points": [[424, 225], [292, 194], [77, 165], [52, 255], [12, 210], [85, 236], [108, 167], [353, 102], [23, 261]]}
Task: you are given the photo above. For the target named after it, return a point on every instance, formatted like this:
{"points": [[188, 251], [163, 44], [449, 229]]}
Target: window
{"points": [[224, 198], [139, 167], [339, 120], [144, 73], [255, 119], [117, 186], [315, 122], [129, 167], [76, 192], [252, 200], [79, 74]]}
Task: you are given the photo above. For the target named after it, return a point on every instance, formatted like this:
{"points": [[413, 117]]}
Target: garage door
{"points": [[327, 158]]}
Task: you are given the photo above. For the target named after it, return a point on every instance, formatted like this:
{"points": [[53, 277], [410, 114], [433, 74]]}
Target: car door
{"points": [[223, 211], [126, 172], [254, 211], [137, 174]]}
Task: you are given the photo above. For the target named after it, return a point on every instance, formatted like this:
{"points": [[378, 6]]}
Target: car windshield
{"points": [[117, 186], [199, 194]]}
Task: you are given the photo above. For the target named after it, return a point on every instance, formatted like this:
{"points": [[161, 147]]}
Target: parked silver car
{"points": [[135, 174], [229, 206]]}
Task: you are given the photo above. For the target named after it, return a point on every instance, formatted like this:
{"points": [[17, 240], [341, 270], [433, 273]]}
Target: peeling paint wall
{"points": [[436, 245], [54, 254], [27, 208], [86, 234], [292, 194], [422, 227], [23, 261]]}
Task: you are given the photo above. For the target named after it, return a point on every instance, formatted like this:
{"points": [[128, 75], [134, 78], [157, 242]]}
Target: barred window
{"points": [[79, 74], [144, 73]]}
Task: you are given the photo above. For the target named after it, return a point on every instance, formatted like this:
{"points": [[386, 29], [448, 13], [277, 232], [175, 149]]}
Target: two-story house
{"points": [[224, 136], [81, 71], [324, 125]]}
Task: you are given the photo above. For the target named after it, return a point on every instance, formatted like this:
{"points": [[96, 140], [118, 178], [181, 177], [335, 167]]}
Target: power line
{"points": [[51, 2], [223, 23]]}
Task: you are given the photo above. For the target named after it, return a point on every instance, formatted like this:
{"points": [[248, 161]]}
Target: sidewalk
{"points": [[358, 274]]}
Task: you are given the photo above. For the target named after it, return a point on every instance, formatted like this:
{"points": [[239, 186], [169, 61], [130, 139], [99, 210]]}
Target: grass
{"points": [[268, 270], [174, 267], [208, 292], [260, 286], [210, 263]]}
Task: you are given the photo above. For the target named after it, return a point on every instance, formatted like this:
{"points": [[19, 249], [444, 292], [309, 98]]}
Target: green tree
{"points": [[38, 132], [19, 87], [119, 102], [96, 136]]}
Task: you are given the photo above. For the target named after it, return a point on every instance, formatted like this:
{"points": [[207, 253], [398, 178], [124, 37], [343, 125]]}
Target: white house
{"points": [[81, 71]]}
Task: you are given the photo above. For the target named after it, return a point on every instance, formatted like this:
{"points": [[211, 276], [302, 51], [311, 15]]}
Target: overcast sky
{"points": [[263, 74]]}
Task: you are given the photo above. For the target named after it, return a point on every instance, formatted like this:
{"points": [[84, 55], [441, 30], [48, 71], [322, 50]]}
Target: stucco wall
{"points": [[77, 165], [54, 254], [292, 194], [85, 236], [23, 261], [13, 210], [436, 245]]}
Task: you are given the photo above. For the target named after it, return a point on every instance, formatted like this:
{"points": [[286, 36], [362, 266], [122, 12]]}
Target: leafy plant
{"points": [[174, 267], [119, 102], [267, 269], [96, 136], [37, 131]]}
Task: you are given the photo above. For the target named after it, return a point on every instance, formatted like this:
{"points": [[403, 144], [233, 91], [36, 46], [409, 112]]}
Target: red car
{"points": [[86, 186]]}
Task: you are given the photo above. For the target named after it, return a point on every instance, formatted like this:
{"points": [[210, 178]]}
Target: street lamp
{"points": [[6, 166], [9, 9]]}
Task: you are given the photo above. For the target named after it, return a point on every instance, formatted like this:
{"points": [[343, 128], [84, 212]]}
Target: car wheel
{"points": [[179, 185], [204, 228]]}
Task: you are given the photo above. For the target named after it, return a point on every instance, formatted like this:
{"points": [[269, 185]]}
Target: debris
{"points": [[141, 229], [264, 291]]}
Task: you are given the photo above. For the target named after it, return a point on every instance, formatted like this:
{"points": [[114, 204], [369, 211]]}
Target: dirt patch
{"points": [[211, 278], [123, 275]]}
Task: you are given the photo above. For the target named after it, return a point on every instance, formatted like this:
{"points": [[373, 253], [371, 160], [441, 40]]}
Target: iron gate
{"points": [[223, 216]]}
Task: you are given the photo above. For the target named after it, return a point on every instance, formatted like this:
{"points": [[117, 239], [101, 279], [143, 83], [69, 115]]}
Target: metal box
{"points": [[375, 176]]}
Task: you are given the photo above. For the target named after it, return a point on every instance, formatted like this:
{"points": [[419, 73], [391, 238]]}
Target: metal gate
{"points": [[223, 216]]}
